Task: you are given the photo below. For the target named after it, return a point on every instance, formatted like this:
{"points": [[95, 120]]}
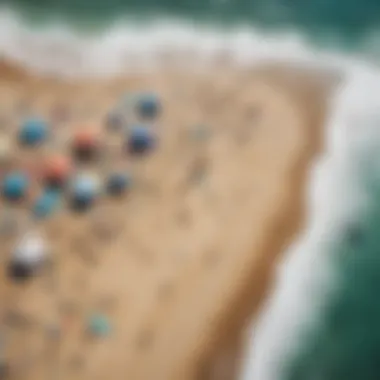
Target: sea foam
{"points": [[61, 50]]}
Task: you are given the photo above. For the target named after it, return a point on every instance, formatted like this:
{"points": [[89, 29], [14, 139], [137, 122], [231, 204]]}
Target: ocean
{"points": [[321, 322]]}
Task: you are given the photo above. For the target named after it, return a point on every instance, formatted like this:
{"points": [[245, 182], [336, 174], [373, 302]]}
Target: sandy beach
{"points": [[181, 263]]}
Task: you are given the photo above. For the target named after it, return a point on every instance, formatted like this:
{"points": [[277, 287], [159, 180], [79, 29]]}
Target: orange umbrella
{"points": [[57, 169]]}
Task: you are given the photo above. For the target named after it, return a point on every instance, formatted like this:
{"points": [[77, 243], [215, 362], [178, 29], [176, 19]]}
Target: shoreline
{"points": [[315, 91], [316, 278], [279, 91]]}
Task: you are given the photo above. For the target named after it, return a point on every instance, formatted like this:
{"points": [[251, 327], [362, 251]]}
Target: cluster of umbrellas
{"points": [[58, 174], [59, 178]]}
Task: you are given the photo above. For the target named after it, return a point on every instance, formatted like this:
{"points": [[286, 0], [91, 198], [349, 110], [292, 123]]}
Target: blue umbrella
{"points": [[141, 140], [148, 105], [118, 183], [46, 204], [15, 186], [33, 131]]}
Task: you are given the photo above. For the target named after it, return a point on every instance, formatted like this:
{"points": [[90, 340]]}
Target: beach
{"points": [[189, 190], [181, 263]]}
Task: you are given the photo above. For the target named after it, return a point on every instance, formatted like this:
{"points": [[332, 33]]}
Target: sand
{"points": [[191, 250]]}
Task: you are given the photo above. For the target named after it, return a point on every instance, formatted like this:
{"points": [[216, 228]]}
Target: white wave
{"points": [[306, 278], [58, 49]]}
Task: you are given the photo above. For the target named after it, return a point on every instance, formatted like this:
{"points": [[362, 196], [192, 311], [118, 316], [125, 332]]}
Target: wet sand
{"points": [[180, 263]]}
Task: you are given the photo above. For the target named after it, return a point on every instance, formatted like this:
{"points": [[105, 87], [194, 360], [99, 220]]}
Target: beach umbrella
{"points": [[117, 183], [84, 191], [57, 171], [27, 258], [85, 144], [46, 204], [33, 132], [141, 140], [15, 186], [148, 105]]}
